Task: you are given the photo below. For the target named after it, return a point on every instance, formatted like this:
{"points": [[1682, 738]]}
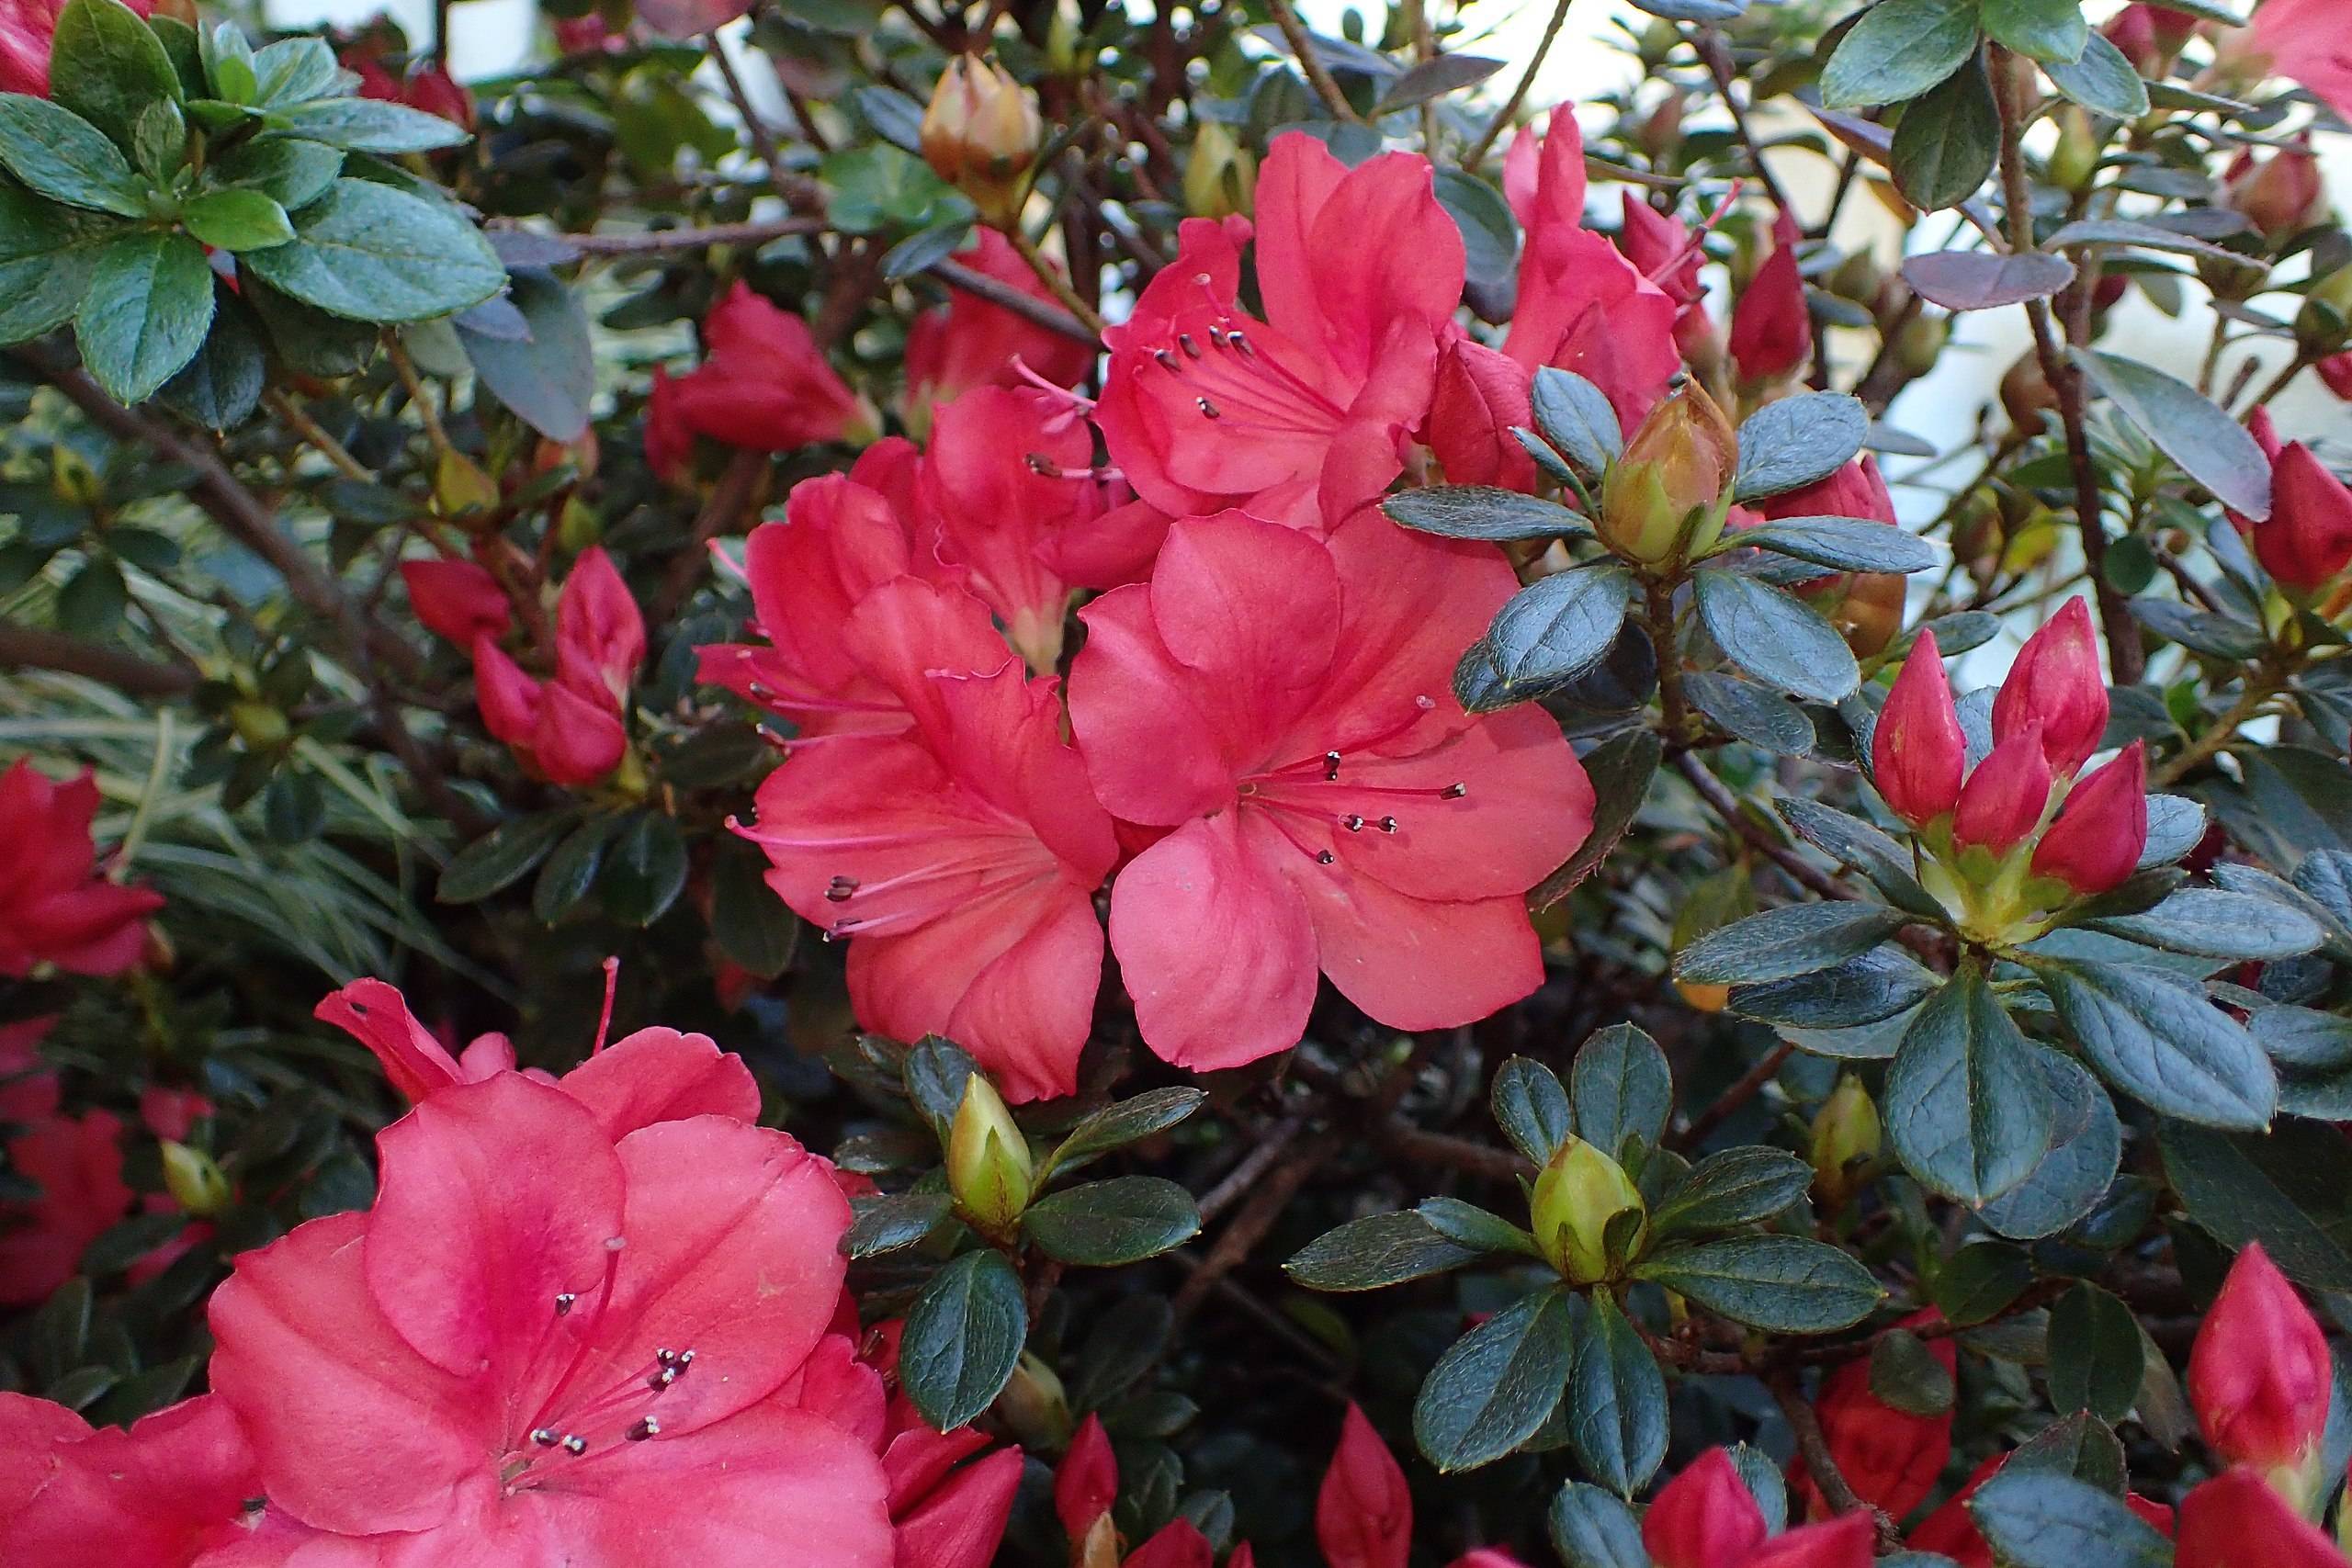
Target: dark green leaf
{"points": [[1757, 714], [372, 253], [889, 1222], [1729, 1188], [223, 385], [1615, 1399], [2156, 1036], [1848, 544], [1433, 78], [962, 1336], [237, 218], [46, 258], [501, 857], [1621, 1090], [1945, 147], [2081, 1164], [229, 62], [292, 174], [1857, 844], [2095, 1357], [1783, 1284], [935, 1071], [2047, 30], [1590, 1528], [1621, 769], [2200, 631], [1489, 234], [925, 248], [1377, 1250], [2101, 80], [2080, 1445], [1982, 280], [1104, 1223], [1480, 512], [1557, 629], [570, 870], [1980, 1280], [750, 924], [1123, 1122], [645, 869], [1532, 1108], [1906, 1375], [305, 340], [1576, 418], [2291, 1190], [91, 602], [1778, 943], [1869, 988], [106, 66], [367, 125], [1776, 638], [63, 157], [149, 303], [1466, 1224], [1490, 1391], [1797, 442], [2209, 446], [2041, 1519], [1964, 1105], [2216, 924], [548, 376], [293, 71], [1898, 51]]}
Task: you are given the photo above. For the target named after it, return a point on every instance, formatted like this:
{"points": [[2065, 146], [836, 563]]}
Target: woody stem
{"points": [[1658, 620], [1050, 275], [2261, 685], [1318, 75], [419, 398], [1509, 111], [315, 434]]}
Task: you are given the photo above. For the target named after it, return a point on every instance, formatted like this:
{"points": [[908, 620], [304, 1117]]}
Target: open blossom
{"points": [[971, 342], [763, 383], [545, 1345], [1581, 305], [76, 1161], [169, 1492], [1301, 416], [960, 859], [2308, 41], [54, 907], [1284, 706], [26, 27], [1706, 1517], [570, 728]]}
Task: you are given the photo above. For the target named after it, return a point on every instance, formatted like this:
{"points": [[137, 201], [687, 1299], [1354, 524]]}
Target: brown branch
{"points": [[1255, 1218], [1725, 806], [1716, 53], [1318, 75], [1504, 116], [1028, 307], [1271, 1148], [1732, 1100], [660, 241], [1408, 1141], [727, 502], [1819, 1464], [28, 647]]}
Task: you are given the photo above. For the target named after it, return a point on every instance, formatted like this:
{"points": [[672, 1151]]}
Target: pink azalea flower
{"points": [[1300, 416], [54, 907], [1482, 393], [544, 1344], [169, 1492], [1582, 306], [1771, 327], [970, 342], [2308, 41], [2236, 1521], [668, 440], [764, 384], [961, 859], [1892, 1458], [1363, 1513], [26, 27], [1285, 706], [1706, 1517], [568, 728], [77, 1162]]}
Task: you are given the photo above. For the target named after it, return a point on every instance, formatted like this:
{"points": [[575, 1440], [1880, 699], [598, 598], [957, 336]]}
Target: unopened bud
{"points": [[2259, 1376], [1660, 130], [1577, 1195], [2073, 162], [989, 1168], [1659, 501], [195, 1181], [2026, 396], [2006, 795], [2280, 195], [1034, 1407], [261, 727], [1846, 1139], [71, 478], [460, 484], [980, 133], [1865, 606], [1918, 752], [1063, 35], [2099, 834], [2056, 681], [1220, 176], [1921, 343]]}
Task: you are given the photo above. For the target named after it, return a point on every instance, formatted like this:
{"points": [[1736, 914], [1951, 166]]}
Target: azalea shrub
{"points": [[912, 786]]}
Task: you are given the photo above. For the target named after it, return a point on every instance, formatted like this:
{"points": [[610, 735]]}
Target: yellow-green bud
{"points": [[1846, 1137], [1577, 1195], [196, 1183], [2073, 162], [1220, 176], [989, 1168], [261, 727], [1034, 1406], [1679, 462], [980, 133]]}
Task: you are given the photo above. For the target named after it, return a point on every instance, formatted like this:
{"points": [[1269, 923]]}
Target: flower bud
{"points": [[2336, 371], [980, 133], [1677, 465], [1918, 753], [989, 1168], [2235, 1518], [460, 485], [2006, 795], [1703, 1517], [2280, 195], [1847, 1134], [1771, 327], [457, 599], [2074, 161], [2099, 834], [1481, 395], [2259, 1377], [1577, 1195], [1034, 1407], [1086, 1483], [1220, 174], [196, 1183], [1364, 1511], [2307, 543], [2056, 681], [1865, 606], [260, 725]]}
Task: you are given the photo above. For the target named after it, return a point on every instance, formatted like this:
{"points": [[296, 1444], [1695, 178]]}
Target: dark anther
{"points": [[662, 1379], [1238, 341], [1043, 466], [563, 1303], [1192, 349], [685, 1360], [1166, 360], [1324, 857], [575, 1445], [1330, 766], [839, 888], [1456, 790], [1207, 408], [758, 693], [665, 1356], [542, 1437], [358, 1009], [649, 1427], [1351, 822], [1386, 824]]}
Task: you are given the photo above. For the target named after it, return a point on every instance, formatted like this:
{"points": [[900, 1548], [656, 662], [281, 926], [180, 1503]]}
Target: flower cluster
{"points": [[55, 909], [572, 1298]]}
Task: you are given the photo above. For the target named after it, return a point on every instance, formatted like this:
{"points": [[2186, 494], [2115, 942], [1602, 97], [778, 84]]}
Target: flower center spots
{"points": [[1348, 789], [1231, 379], [942, 870]]}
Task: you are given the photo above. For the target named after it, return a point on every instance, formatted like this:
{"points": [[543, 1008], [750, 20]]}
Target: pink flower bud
{"points": [[2006, 794], [1772, 331], [2308, 540], [1917, 753], [2281, 194], [2336, 371], [2099, 836], [2259, 1374], [1178, 1545], [455, 599], [1851, 1540], [1363, 1515], [2056, 679], [1704, 1518], [1087, 1483], [2236, 1519], [1481, 394]]}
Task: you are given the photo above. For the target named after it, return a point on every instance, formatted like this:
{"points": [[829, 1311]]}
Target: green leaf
{"points": [[1779, 639], [237, 220], [2047, 30], [2200, 631], [1590, 1528], [2081, 1164], [1982, 1278], [1621, 769], [372, 253], [1729, 1188], [750, 924], [1433, 78], [229, 62], [963, 1338], [1489, 234], [1123, 1123], [182, 50], [2096, 1363], [149, 303], [1616, 1401], [1981, 280], [2041, 1519], [293, 71], [292, 174], [2101, 80], [2079, 1444], [91, 603], [1796, 442], [502, 857], [1377, 1250], [1554, 631], [1964, 1105], [569, 873], [2216, 924], [106, 65], [2188, 427], [46, 258], [65, 158], [1466, 1224], [1906, 1375], [1492, 1391], [1782, 1284], [935, 1071], [548, 376], [367, 125], [1621, 1090], [645, 870], [1576, 418], [1757, 714], [1859, 846], [1898, 51], [925, 248], [1778, 943], [1481, 511], [2158, 1037], [893, 1222], [159, 141], [223, 385], [310, 341], [2290, 1190], [1532, 1108], [1847, 544], [1868, 989], [1104, 1223], [1945, 147]]}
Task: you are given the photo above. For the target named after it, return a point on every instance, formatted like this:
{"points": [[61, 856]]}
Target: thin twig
{"points": [[1255, 1218], [1819, 1464], [660, 241], [1318, 75], [1270, 1148], [1408, 1141], [1716, 53], [418, 396], [1509, 111], [29, 647], [2261, 685], [1729, 1103], [727, 502], [1028, 307], [1725, 806], [316, 435], [1061, 286]]}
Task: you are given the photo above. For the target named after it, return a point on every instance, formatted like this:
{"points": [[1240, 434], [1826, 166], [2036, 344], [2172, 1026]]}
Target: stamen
{"points": [[1192, 350], [839, 890], [1351, 822], [647, 1427], [1207, 408], [1167, 358], [612, 967], [1331, 767], [575, 1445], [1324, 857], [563, 1302], [1386, 824], [542, 1437]]}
